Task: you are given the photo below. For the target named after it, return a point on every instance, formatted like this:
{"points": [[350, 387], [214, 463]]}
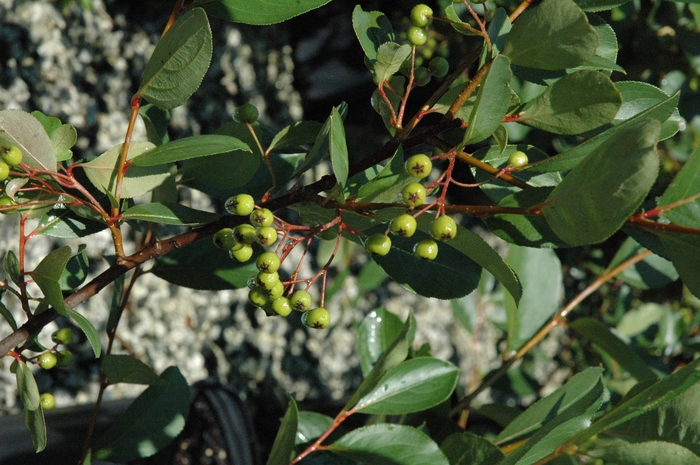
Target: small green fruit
{"points": [[417, 35], [244, 234], [65, 358], [4, 170], [63, 336], [12, 156], [426, 249], [419, 166], [318, 318], [281, 306], [266, 236], [241, 205], [422, 76], [258, 297], [47, 401], [276, 291], [241, 252], [378, 244], [47, 360], [246, 113], [5, 202], [268, 262], [404, 225], [267, 280], [439, 67], [224, 239], [444, 228], [300, 301], [420, 15], [518, 159], [261, 217], [414, 194]]}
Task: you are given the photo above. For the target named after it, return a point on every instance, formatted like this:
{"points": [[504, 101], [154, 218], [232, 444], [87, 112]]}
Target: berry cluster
{"points": [[417, 35], [11, 158]]}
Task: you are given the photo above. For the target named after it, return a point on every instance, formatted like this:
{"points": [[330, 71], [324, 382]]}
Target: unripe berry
{"points": [[414, 194], [4, 170], [266, 235], [261, 217], [439, 67], [224, 239], [318, 318], [416, 35], [426, 249], [300, 301], [419, 166], [241, 252], [12, 156], [404, 225], [267, 280], [246, 113], [378, 244], [244, 234], [276, 291], [47, 360], [422, 76], [281, 306], [258, 296], [63, 336], [241, 205], [444, 228], [5, 201], [518, 159], [268, 262], [420, 15], [65, 358], [47, 401]]}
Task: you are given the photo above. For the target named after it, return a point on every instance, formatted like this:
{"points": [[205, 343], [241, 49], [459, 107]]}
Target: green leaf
{"points": [[63, 139], [311, 426], [24, 131], [685, 185], [76, 270], [127, 369], [260, 12], [320, 149], [411, 386], [638, 320], [138, 180], [390, 57], [66, 224], [388, 183], [156, 121], [491, 104], [650, 273], [89, 330], [7, 315], [338, 148], [371, 277], [599, 5], [284, 441], [152, 420], [498, 30], [11, 266], [36, 424], [201, 265], [376, 333], [372, 29], [173, 213], [387, 444], [576, 103], [469, 449], [541, 275], [50, 123], [179, 62], [601, 336], [387, 112], [190, 147], [27, 389], [601, 192], [684, 251], [553, 35], [638, 97], [47, 275], [646, 453], [291, 137]]}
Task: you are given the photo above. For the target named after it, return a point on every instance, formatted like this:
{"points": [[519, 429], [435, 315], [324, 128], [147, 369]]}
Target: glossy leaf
{"points": [[374, 336], [601, 336], [127, 369], [260, 12], [76, 270], [174, 213], [138, 180], [311, 425], [372, 29], [650, 273], [638, 97], [291, 137], [47, 275], [152, 420], [63, 139], [66, 224], [390, 57], [24, 131], [179, 62], [284, 441], [201, 265], [411, 386], [684, 251], [601, 192], [469, 449], [646, 453], [190, 147], [389, 444], [553, 35], [542, 284], [599, 5], [338, 148], [575, 104], [10, 264], [27, 388], [491, 103], [89, 330]]}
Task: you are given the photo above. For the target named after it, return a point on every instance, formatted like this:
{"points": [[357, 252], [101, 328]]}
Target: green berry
{"points": [[281, 306], [12, 156], [268, 262], [444, 228], [244, 234], [5, 201], [422, 76], [404, 225], [63, 336], [417, 35], [47, 360], [318, 318], [241, 205], [261, 217], [518, 159], [419, 166], [266, 235], [300, 301], [276, 291], [224, 239], [267, 280], [426, 249], [241, 252], [439, 67], [47, 401], [246, 113], [378, 244], [65, 358], [414, 194], [4, 170], [420, 15], [258, 297]]}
